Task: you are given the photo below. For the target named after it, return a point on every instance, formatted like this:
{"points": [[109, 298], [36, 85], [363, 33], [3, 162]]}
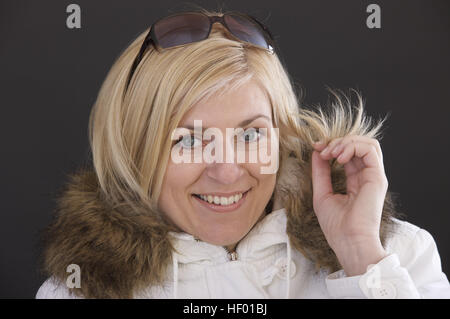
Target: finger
{"points": [[319, 146], [358, 138], [366, 152], [353, 166], [326, 153], [371, 141], [321, 177]]}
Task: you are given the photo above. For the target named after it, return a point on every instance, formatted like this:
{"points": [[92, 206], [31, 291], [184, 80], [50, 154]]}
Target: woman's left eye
{"points": [[251, 135]]}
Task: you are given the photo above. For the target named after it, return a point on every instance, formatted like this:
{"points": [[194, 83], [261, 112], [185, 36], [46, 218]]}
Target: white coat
{"points": [[264, 258]]}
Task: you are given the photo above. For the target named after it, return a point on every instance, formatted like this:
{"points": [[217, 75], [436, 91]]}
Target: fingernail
{"points": [[325, 150]]}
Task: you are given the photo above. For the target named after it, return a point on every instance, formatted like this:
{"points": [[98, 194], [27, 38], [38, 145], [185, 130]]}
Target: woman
{"points": [[313, 221]]}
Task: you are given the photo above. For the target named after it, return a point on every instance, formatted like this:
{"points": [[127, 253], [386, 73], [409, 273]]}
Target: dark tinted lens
{"points": [[246, 29], [181, 29]]}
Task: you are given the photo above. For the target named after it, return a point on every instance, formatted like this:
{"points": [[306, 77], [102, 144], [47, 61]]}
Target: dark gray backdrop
{"points": [[50, 76]]}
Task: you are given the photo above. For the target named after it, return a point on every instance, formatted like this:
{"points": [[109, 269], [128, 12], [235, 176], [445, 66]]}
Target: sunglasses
{"points": [[184, 28]]}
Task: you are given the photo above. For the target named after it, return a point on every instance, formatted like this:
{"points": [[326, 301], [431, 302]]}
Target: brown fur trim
{"points": [[118, 252]]}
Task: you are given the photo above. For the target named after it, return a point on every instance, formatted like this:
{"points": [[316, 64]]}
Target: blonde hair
{"points": [[130, 131]]}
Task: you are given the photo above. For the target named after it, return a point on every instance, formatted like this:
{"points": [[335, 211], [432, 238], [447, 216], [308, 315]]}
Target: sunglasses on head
{"points": [[183, 28]]}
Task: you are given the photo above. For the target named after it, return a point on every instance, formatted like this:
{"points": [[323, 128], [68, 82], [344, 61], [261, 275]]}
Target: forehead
{"points": [[230, 107]]}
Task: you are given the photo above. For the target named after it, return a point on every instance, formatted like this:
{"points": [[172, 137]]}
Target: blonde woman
{"points": [[162, 215]]}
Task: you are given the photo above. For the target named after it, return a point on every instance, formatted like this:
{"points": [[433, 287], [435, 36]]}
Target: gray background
{"points": [[50, 76]]}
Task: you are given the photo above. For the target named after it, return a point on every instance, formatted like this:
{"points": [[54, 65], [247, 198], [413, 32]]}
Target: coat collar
{"points": [[268, 232]]}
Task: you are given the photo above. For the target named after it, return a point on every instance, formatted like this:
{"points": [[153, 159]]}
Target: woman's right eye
{"points": [[189, 141]]}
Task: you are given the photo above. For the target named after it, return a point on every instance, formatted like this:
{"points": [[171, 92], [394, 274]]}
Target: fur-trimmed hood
{"points": [[121, 252]]}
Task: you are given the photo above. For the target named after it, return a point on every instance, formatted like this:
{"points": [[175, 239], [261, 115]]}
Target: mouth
{"points": [[218, 203]]}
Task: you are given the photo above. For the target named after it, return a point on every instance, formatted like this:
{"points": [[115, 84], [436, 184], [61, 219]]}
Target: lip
{"points": [[220, 208]]}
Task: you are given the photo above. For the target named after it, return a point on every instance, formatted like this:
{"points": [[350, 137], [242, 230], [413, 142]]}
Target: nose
{"points": [[225, 173], [228, 171]]}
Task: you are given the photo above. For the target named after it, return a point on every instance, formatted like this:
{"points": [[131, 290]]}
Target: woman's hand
{"points": [[351, 222]]}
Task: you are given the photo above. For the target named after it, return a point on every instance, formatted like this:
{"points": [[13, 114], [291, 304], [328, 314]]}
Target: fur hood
{"points": [[120, 252]]}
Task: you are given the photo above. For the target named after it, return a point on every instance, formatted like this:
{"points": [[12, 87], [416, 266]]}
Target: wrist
{"points": [[355, 257]]}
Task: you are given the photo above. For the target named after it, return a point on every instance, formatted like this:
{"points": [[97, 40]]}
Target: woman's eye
{"points": [[190, 141], [251, 135]]}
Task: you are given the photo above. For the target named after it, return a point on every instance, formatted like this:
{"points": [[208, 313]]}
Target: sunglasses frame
{"points": [[151, 38]]}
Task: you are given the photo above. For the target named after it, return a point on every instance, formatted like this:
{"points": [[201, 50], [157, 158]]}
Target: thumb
{"points": [[321, 178]]}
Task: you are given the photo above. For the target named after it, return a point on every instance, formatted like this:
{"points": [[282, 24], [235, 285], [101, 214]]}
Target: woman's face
{"points": [[220, 202]]}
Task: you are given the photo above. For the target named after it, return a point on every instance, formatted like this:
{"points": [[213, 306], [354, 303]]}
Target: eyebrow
{"points": [[243, 123]]}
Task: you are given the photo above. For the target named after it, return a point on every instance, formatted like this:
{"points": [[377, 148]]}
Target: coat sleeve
{"points": [[53, 289], [411, 270]]}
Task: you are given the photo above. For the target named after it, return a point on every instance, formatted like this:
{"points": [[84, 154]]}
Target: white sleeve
{"points": [[53, 289], [411, 270]]}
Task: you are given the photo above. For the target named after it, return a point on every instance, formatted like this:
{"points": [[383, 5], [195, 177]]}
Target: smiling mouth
{"points": [[221, 200]]}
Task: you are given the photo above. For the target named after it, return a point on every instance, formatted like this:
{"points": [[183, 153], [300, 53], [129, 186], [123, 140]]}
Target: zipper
{"points": [[231, 255]]}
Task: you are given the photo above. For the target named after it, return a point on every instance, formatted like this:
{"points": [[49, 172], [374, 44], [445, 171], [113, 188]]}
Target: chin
{"points": [[222, 237]]}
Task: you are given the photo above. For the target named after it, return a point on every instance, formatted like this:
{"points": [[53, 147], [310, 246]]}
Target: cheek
{"points": [[269, 181], [175, 191], [178, 180], [266, 182]]}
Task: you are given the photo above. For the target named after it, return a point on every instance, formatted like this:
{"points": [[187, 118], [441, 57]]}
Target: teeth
{"points": [[220, 200]]}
